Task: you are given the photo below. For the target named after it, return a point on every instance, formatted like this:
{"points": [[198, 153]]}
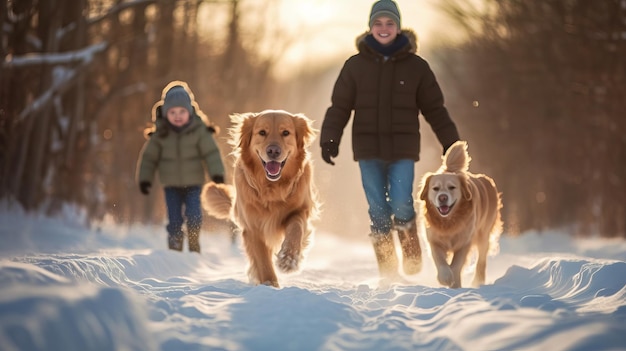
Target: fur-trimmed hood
{"points": [[412, 48], [159, 120]]}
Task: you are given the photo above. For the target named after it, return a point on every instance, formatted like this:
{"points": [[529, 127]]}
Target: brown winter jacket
{"points": [[387, 97], [180, 158]]}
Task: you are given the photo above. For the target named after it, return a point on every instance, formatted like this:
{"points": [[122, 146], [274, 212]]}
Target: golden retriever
{"points": [[273, 200], [461, 211]]}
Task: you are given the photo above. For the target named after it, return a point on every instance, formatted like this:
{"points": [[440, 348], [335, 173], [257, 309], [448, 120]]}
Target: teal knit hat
{"points": [[177, 96], [385, 8]]}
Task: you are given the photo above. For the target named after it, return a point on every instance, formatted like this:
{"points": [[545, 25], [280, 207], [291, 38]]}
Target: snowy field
{"points": [[66, 287]]}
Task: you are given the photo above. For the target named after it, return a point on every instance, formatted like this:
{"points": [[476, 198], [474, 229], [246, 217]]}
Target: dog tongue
{"points": [[272, 167], [444, 209]]}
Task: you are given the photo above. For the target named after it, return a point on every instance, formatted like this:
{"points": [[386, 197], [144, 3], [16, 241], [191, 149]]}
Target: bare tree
{"points": [[548, 76], [78, 82]]}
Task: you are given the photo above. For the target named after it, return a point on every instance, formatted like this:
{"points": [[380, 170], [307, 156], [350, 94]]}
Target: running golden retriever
{"points": [[461, 211], [273, 200]]}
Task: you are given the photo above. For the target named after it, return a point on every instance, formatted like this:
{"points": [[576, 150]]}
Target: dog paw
{"points": [[477, 282], [255, 279], [445, 276], [287, 261], [271, 283]]}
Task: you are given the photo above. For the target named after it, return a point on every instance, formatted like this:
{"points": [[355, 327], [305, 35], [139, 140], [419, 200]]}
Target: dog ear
{"points": [[242, 130], [425, 186], [305, 133], [466, 188]]}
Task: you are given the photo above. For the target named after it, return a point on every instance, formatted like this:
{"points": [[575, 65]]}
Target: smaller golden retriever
{"points": [[461, 211], [273, 200]]}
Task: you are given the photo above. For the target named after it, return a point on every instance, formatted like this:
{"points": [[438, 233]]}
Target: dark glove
{"points": [[329, 149], [218, 179], [145, 187]]}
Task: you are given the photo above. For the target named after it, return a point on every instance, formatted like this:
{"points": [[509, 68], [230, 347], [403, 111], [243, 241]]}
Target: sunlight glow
{"points": [[326, 31], [311, 12]]}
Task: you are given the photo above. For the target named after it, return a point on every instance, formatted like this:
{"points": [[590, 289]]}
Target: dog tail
{"points": [[217, 200], [456, 159]]}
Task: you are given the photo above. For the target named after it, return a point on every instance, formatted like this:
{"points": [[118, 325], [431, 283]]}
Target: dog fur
{"points": [[273, 199], [461, 211]]}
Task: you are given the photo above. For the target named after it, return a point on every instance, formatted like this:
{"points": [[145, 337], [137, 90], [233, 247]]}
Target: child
{"points": [[181, 148], [387, 86]]}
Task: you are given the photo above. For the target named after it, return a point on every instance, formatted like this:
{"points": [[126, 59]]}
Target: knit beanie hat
{"points": [[385, 8], [177, 96]]}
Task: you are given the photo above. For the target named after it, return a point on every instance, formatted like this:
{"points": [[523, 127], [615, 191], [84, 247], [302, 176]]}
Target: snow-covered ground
{"points": [[67, 287]]}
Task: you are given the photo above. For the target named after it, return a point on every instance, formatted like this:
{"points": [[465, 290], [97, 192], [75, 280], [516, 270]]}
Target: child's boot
{"points": [[175, 242], [411, 250], [385, 255], [194, 241]]}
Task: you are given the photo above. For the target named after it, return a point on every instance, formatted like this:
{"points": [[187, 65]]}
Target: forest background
{"points": [[537, 88]]}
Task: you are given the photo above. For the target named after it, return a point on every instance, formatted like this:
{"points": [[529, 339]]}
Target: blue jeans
{"points": [[175, 199], [388, 188]]}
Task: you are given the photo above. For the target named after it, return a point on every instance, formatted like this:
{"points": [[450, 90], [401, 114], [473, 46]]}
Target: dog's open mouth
{"points": [[273, 169], [444, 210]]}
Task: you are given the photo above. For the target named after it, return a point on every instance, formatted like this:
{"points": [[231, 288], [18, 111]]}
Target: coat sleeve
{"points": [[148, 160], [431, 103], [210, 153], [342, 104]]}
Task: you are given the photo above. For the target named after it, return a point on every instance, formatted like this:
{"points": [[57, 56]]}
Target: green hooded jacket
{"points": [[180, 158]]}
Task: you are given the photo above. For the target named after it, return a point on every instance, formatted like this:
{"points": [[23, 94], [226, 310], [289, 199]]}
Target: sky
{"points": [[67, 286]]}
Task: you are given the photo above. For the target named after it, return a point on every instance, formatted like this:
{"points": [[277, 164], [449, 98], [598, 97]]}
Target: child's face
{"points": [[178, 116], [384, 30]]}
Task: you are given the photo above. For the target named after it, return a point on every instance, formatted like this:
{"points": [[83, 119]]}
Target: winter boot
{"points": [[175, 242], [385, 255], [194, 241], [411, 250]]}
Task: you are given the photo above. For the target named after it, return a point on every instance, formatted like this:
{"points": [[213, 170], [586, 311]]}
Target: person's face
{"points": [[384, 30], [178, 116]]}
